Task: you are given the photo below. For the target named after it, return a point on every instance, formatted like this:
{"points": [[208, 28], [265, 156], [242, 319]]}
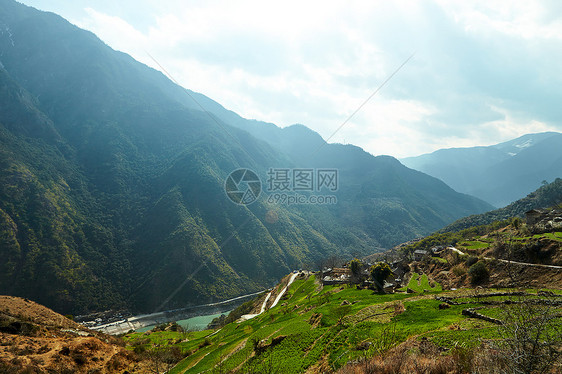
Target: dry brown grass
{"points": [[53, 344], [423, 357]]}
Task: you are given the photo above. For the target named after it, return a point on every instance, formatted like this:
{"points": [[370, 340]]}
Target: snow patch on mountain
{"points": [[525, 144], [6, 30]]}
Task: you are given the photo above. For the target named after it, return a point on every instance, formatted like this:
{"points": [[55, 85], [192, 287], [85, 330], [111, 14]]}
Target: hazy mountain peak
{"points": [[500, 173], [516, 145]]}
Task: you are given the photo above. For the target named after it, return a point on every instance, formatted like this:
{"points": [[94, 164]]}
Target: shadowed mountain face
{"points": [[112, 183], [500, 173]]}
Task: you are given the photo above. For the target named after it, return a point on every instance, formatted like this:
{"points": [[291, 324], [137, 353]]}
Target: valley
{"points": [[115, 198], [461, 298], [147, 228], [116, 324]]}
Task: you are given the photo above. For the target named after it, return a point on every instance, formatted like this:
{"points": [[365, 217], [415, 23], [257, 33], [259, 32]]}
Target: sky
{"points": [[482, 72]]}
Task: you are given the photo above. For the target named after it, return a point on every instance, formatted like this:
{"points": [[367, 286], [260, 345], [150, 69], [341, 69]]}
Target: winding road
{"points": [[246, 317], [509, 261]]}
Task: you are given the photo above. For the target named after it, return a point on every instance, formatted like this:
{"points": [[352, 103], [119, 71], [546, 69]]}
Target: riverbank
{"points": [[197, 323], [142, 321]]}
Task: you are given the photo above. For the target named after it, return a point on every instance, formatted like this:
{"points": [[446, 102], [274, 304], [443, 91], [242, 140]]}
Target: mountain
{"points": [[498, 174], [544, 197], [112, 183]]}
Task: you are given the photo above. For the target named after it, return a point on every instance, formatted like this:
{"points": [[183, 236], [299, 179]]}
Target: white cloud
{"points": [[484, 71]]}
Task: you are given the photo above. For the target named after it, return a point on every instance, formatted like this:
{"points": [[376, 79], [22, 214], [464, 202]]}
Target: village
{"points": [[360, 272], [538, 221]]}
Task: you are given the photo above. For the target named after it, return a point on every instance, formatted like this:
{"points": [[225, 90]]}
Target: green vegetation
{"points": [[439, 260], [420, 283], [478, 273], [474, 244], [112, 184], [379, 272], [557, 236], [334, 325], [545, 196], [470, 238]]}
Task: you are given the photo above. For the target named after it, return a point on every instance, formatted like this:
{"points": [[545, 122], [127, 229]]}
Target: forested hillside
{"points": [[112, 183]]}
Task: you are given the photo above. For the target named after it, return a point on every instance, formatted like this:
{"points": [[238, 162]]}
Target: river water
{"points": [[194, 324]]}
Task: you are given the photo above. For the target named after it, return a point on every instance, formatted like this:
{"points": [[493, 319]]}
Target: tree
{"points": [[356, 267], [531, 335], [478, 273], [379, 272], [328, 262]]}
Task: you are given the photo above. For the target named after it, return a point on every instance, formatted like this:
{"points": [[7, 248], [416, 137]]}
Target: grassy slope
{"points": [[370, 319]]}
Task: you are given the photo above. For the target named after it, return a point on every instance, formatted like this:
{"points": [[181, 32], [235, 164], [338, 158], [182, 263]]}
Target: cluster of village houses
{"points": [[544, 220], [539, 220], [343, 275]]}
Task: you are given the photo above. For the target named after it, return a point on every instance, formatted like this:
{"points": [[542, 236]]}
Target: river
{"points": [[194, 324]]}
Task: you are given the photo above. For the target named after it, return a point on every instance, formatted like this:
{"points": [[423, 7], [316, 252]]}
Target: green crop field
{"points": [[420, 283], [474, 244], [333, 324]]}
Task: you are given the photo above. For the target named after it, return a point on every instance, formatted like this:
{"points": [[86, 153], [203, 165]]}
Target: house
{"points": [[534, 216], [544, 220], [399, 268], [336, 276], [388, 287], [419, 254], [437, 251]]}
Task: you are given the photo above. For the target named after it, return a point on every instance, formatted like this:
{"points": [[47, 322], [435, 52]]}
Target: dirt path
{"points": [[246, 317], [284, 290], [511, 262]]}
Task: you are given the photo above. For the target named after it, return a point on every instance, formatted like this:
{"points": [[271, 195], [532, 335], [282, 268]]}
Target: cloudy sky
{"points": [[482, 72]]}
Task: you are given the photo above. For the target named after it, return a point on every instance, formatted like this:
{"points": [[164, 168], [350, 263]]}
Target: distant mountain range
{"points": [[112, 183], [498, 174]]}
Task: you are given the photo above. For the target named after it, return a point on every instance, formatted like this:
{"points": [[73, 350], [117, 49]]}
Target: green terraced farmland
{"points": [[332, 325]]}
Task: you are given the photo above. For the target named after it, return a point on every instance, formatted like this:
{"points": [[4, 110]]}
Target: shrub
{"points": [[205, 343], [459, 270], [516, 222], [531, 336], [356, 266], [478, 273], [471, 260]]}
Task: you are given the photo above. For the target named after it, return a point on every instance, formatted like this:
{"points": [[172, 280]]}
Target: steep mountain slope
{"points": [[500, 173], [544, 197], [112, 183]]}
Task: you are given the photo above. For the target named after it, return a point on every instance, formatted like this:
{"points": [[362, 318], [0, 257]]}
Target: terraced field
{"points": [[330, 326]]}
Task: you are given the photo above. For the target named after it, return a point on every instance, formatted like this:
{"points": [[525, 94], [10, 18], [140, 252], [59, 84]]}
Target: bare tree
{"points": [[531, 334]]}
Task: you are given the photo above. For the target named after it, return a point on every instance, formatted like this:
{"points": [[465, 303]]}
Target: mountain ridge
{"points": [[500, 173], [120, 201], [545, 196]]}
